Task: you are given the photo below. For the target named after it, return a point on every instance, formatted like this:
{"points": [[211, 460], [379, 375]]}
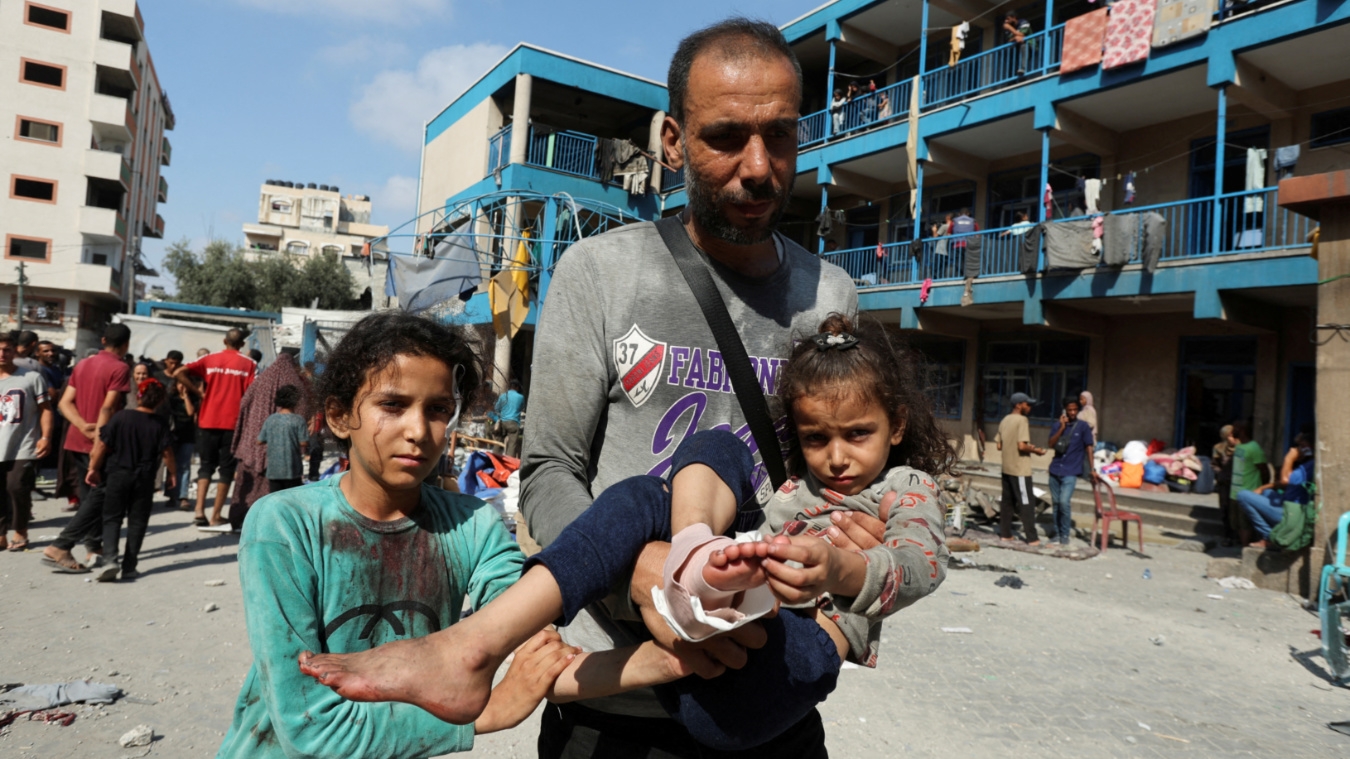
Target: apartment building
{"points": [[1202, 316], [82, 163]]}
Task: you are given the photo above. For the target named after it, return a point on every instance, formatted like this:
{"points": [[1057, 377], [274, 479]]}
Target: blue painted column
{"points": [[829, 95], [1045, 174], [917, 250], [923, 51], [1045, 38], [1220, 137], [824, 206], [548, 251]]}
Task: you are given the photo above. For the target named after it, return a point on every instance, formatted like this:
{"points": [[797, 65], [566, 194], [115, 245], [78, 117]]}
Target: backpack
{"points": [[1295, 530]]}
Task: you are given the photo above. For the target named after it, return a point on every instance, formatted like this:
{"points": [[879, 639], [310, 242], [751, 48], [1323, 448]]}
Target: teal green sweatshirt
{"points": [[318, 576]]}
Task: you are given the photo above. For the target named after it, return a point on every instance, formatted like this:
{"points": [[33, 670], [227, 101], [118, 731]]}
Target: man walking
{"points": [[183, 425], [25, 437], [1014, 440], [1071, 439], [97, 390], [507, 414], [634, 367], [227, 374]]}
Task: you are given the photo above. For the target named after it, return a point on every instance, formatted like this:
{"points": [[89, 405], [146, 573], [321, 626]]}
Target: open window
{"points": [[27, 248], [298, 247], [42, 74], [46, 16], [32, 188], [33, 130]]}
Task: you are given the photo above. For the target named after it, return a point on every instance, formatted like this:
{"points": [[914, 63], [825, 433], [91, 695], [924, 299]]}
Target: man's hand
{"points": [[825, 569], [537, 664], [708, 658], [89, 430], [92, 478], [44, 446]]}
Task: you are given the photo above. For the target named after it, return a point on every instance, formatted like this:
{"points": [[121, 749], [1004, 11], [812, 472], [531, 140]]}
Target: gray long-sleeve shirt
{"points": [[625, 368]]}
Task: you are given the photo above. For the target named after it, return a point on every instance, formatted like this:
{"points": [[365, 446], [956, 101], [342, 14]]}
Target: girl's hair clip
{"points": [[829, 340]]}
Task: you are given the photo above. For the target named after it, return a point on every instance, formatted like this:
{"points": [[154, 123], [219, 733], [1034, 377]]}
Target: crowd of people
{"points": [[114, 430]]}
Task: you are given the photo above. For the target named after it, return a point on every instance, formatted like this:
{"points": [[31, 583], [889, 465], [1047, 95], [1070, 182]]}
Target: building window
{"points": [[42, 15], [946, 373], [298, 247], [38, 310], [281, 206], [32, 130], [1330, 128], [1047, 370], [334, 249], [27, 248], [42, 74], [30, 188]]}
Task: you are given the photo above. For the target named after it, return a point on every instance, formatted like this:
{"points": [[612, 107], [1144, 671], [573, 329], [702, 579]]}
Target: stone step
{"points": [[1163, 517]]}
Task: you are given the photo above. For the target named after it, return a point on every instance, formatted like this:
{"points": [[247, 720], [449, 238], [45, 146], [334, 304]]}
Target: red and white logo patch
{"points": [[639, 360]]}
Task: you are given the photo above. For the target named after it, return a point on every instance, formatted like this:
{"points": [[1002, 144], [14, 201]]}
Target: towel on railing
{"points": [[1154, 229], [1031, 249], [1068, 245], [1083, 40], [1120, 238], [974, 252], [1128, 32], [1179, 20]]}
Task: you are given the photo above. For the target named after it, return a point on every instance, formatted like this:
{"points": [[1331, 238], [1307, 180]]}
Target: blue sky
{"points": [[336, 91]]}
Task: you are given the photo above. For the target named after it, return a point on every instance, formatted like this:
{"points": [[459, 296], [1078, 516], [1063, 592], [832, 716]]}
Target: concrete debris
{"points": [[1194, 545], [140, 735], [214, 583], [1215, 596], [1236, 583], [210, 607], [1158, 640], [958, 630]]}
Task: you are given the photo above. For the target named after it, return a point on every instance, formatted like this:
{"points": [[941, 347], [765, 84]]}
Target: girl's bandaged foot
{"points": [[694, 609]]}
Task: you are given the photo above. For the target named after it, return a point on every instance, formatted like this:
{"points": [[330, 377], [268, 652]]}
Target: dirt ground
{"points": [[1087, 659]]}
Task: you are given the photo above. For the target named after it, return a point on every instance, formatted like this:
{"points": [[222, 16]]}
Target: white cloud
{"points": [[395, 201], [390, 11], [393, 106], [360, 51]]}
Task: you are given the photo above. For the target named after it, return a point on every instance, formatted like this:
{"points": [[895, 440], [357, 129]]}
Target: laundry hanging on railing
{"points": [[959, 33], [1084, 38], [1031, 249], [1068, 245], [1179, 20], [973, 255], [824, 223], [1092, 194], [1129, 188], [1120, 238], [1255, 179], [1128, 33], [1153, 228]]}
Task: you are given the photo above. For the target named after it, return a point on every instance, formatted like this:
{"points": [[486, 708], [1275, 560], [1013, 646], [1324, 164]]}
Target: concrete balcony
{"points": [[112, 116], [363, 230], [163, 190], [104, 224], [81, 277], [105, 164], [114, 55], [165, 152]]}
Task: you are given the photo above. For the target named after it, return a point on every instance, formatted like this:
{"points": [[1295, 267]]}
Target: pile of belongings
{"points": [[1153, 467], [494, 478]]}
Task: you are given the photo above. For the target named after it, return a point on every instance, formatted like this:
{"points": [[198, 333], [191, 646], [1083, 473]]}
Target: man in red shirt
{"points": [[227, 375], [97, 390]]}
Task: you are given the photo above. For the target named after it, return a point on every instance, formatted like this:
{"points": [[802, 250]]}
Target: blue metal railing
{"points": [[671, 180], [811, 128], [569, 152], [499, 149], [1252, 222], [993, 68]]}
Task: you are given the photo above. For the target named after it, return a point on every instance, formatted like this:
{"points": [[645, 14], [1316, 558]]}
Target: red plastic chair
{"points": [[1106, 515]]}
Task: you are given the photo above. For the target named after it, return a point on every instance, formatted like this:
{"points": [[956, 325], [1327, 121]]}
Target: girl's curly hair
{"points": [[881, 369], [371, 345]]}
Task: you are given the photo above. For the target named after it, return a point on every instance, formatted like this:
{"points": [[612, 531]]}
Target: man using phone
{"points": [[1072, 441]]}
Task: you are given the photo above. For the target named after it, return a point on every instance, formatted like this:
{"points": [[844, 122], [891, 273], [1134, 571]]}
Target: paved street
{"points": [[1064, 666]]}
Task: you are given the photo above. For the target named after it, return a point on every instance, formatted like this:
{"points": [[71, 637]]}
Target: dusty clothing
{"points": [[634, 370], [318, 576], [20, 395], [1012, 430], [909, 564]]}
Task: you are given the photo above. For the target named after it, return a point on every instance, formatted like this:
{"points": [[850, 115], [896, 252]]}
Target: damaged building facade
{"points": [[1192, 309]]}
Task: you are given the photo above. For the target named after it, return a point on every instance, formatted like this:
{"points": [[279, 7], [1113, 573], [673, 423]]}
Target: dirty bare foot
{"points": [[447, 673], [737, 567]]}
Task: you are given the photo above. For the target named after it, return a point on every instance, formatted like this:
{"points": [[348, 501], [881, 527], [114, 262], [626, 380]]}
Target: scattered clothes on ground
{"points": [[1010, 581], [60, 694], [64, 719]]}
